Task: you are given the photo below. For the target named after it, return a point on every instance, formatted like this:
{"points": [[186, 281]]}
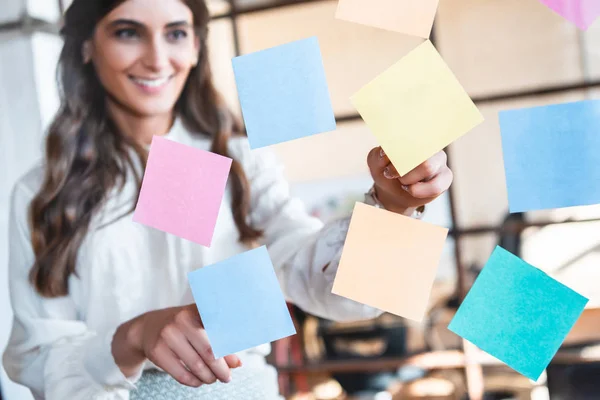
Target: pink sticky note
{"points": [[581, 12], [182, 190]]}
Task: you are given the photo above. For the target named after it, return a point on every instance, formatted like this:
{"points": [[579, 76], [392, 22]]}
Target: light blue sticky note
{"points": [[241, 303], [551, 155], [517, 313], [283, 93]]}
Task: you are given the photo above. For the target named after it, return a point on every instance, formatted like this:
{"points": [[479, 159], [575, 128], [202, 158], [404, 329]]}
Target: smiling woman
{"points": [[127, 69], [101, 303], [143, 60]]}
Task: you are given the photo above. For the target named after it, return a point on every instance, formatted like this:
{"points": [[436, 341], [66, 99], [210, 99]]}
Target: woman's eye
{"points": [[126, 33], [177, 35]]}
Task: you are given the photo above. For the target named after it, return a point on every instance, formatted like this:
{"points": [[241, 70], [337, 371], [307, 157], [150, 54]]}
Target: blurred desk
{"points": [[587, 328], [437, 360]]}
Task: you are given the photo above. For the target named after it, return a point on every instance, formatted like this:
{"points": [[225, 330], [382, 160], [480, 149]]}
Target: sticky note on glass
{"points": [[389, 261], [517, 313], [581, 12], [551, 155], [182, 190], [416, 108], [241, 303], [283, 93], [412, 17]]}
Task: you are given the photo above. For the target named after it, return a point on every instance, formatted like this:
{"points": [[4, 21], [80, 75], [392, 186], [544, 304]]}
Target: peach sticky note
{"points": [[412, 17], [389, 261], [182, 190], [416, 108]]}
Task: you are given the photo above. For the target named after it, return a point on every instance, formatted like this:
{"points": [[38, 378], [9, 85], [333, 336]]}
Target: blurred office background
{"points": [[506, 53]]}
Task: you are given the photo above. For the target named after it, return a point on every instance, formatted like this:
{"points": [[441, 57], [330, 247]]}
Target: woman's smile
{"points": [[151, 85]]}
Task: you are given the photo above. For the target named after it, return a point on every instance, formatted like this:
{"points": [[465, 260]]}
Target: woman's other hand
{"points": [[174, 339], [404, 194]]}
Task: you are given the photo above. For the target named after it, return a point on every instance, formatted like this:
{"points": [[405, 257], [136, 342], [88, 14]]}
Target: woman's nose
{"points": [[157, 55]]}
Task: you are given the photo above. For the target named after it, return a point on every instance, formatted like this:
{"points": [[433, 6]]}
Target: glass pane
{"points": [[247, 4], [476, 159], [46, 51], [569, 253], [591, 57], [46, 10], [352, 54], [12, 10], [222, 50], [475, 252], [564, 214], [329, 199], [218, 7], [318, 157], [215, 7], [447, 269], [500, 46]]}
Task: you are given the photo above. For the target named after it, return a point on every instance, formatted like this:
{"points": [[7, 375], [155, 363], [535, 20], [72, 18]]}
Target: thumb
{"points": [[233, 361], [377, 160], [192, 309]]}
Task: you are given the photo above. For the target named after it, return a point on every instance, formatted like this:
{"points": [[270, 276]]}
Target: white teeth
{"points": [[151, 82]]}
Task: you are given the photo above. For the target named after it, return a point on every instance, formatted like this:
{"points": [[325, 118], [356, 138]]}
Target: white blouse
{"points": [[61, 347]]}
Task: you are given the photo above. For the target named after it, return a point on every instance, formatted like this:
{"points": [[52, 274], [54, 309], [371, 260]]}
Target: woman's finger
{"points": [[199, 340], [434, 187], [192, 360], [390, 172], [164, 357], [377, 161], [426, 170], [233, 361], [191, 322]]}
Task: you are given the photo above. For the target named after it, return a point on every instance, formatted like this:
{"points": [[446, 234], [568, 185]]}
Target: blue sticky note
{"points": [[241, 303], [551, 155], [283, 93], [517, 313]]}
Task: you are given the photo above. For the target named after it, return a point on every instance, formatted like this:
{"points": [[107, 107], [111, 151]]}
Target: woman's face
{"points": [[143, 52]]}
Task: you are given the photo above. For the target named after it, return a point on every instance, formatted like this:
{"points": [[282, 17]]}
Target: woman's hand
{"points": [[174, 339], [418, 187]]}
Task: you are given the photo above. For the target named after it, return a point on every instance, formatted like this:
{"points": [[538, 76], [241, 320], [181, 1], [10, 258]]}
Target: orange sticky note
{"points": [[412, 17], [389, 261]]}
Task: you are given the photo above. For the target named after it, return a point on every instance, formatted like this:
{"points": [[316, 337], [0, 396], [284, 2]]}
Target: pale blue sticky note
{"points": [[517, 313], [551, 155], [241, 303], [283, 93]]}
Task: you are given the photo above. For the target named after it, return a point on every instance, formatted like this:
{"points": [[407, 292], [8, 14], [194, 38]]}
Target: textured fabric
{"points": [[246, 384], [61, 348]]}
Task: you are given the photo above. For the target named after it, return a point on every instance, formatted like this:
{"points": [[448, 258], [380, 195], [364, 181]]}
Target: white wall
{"points": [[28, 99], [10, 10]]}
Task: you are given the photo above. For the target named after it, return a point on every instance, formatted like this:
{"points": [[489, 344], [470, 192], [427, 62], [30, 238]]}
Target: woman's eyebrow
{"points": [[123, 21], [130, 22], [178, 24]]}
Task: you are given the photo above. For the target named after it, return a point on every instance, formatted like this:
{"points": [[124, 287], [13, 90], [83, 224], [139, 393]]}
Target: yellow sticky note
{"points": [[389, 261], [416, 108], [412, 17]]}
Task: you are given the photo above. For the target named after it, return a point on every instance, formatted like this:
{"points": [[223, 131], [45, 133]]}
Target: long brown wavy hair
{"points": [[86, 156]]}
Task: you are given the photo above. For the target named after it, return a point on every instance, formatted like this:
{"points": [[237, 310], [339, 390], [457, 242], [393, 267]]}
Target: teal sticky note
{"points": [[517, 313], [241, 303], [550, 155], [283, 93]]}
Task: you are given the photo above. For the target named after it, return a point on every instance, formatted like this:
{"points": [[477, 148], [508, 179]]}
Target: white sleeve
{"points": [[299, 245], [50, 351]]}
